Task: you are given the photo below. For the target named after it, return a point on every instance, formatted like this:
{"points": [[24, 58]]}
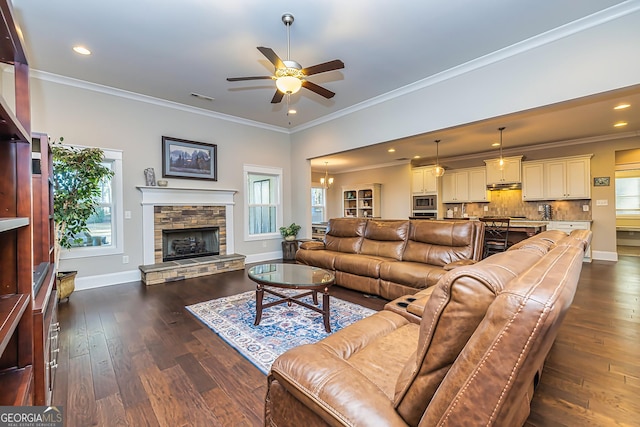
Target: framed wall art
{"points": [[188, 159], [601, 181]]}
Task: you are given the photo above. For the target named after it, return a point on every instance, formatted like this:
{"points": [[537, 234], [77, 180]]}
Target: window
{"points": [[105, 235], [628, 192], [318, 205], [263, 201]]}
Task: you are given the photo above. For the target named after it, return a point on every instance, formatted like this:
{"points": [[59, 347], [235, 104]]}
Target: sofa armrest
{"points": [[333, 389], [459, 263], [313, 245], [416, 307]]}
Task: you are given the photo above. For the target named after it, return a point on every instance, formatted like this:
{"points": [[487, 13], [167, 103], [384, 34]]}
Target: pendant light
{"points": [[438, 170], [326, 181], [501, 161]]}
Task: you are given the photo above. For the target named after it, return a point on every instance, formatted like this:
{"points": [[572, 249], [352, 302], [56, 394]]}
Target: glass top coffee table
{"points": [[310, 280]]}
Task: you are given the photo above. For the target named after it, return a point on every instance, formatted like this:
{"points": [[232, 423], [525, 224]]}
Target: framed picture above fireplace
{"points": [[189, 159]]}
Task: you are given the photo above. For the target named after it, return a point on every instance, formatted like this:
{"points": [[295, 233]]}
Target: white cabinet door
{"points": [[462, 186], [555, 187], [511, 171], [449, 193], [494, 174], [578, 185], [532, 181], [478, 185]]}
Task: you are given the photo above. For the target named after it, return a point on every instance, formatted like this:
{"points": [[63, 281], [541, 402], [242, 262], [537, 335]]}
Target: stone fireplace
{"points": [[185, 235]]}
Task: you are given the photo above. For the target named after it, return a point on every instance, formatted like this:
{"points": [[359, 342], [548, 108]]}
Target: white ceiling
{"points": [[169, 49]]}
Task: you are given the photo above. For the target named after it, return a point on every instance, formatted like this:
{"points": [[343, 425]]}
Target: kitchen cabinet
{"points": [[464, 185], [361, 201], [562, 178], [509, 174], [568, 178], [533, 181], [568, 227], [423, 181]]}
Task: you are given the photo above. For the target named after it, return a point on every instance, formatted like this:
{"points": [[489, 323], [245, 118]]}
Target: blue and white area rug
{"points": [[281, 328]]}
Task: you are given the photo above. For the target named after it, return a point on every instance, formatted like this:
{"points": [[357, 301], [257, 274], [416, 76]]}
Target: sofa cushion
{"points": [[414, 274], [362, 265], [451, 315], [385, 238], [439, 243], [345, 234], [318, 258]]}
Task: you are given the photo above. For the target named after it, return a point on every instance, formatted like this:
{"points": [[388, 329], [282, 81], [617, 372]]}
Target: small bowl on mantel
{"points": [[162, 183]]}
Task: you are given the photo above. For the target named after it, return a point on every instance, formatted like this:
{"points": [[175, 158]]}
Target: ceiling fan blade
{"points": [[336, 64], [272, 57], [318, 89], [238, 79], [277, 97]]}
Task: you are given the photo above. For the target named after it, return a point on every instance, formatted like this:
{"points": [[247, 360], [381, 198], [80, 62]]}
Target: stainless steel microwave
{"points": [[425, 203]]}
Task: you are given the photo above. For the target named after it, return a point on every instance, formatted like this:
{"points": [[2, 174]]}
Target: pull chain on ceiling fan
{"points": [[289, 75]]}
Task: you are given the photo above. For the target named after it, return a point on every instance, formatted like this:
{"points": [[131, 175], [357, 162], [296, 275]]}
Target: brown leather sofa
{"points": [[391, 258], [473, 359]]}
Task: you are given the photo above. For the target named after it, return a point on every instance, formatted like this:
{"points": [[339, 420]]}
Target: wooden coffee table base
{"points": [[325, 310]]}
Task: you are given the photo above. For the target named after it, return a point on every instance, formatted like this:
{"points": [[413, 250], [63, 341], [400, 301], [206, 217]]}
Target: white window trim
{"points": [[265, 170], [118, 238], [319, 185]]}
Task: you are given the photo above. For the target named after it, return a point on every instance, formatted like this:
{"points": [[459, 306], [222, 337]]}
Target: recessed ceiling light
{"points": [[495, 144], [620, 124], [621, 106], [416, 157], [292, 111], [81, 50], [391, 150]]}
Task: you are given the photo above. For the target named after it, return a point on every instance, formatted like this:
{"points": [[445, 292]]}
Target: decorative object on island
{"points": [[189, 159], [289, 233], [438, 170], [150, 177], [326, 181], [78, 174]]}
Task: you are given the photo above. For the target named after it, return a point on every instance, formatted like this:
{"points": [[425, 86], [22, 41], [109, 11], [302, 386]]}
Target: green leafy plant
{"points": [[291, 230], [77, 176]]}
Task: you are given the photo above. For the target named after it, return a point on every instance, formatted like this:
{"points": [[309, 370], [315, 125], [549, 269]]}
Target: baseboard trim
{"points": [[91, 282], [604, 255], [266, 256]]}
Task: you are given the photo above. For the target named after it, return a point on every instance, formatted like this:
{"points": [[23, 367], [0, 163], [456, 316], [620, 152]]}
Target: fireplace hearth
{"points": [[190, 243]]}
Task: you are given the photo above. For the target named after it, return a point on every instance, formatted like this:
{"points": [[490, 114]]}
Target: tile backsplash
{"points": [[509, 203]]}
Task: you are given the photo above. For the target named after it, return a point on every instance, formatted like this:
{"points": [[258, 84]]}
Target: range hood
{"points": [[505, 186]]}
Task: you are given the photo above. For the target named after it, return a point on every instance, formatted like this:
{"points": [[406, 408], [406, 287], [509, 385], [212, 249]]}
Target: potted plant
{"points": [[289, 233], [77, 175]]}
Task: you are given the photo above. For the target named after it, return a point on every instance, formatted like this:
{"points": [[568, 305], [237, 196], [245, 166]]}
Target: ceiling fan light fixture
{"points": [[288, 84]]}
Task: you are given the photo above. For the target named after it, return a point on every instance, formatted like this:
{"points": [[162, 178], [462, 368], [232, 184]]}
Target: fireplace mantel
{"points": [[172, 196]]}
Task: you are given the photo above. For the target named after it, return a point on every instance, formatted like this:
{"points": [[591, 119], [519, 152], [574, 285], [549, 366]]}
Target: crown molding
{"points": [[598, 18], [81, 84]]}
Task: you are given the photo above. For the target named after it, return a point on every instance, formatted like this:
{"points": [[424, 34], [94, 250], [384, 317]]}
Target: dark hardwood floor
{"points": [[131, 355]]}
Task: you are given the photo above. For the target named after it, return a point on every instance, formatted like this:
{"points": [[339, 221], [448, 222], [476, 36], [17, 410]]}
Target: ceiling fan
{"points": [[289, 75]]}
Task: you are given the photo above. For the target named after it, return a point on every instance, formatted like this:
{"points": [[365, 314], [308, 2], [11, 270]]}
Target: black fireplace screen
{"points": [[190, 243]]}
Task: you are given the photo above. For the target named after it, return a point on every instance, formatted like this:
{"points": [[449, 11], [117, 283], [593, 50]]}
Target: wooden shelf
{"points": [[8, 224], [12, 307], [15, 387], [10, 127]]}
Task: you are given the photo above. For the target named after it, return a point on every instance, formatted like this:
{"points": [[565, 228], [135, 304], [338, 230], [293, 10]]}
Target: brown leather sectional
{"points": [[391, 258], [468, 351]]}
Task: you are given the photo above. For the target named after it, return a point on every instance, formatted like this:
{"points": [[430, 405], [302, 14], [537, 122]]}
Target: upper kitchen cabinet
{"points": [[568, 178], [423, 181], [557, 179], [508, 174], [465, 185]]}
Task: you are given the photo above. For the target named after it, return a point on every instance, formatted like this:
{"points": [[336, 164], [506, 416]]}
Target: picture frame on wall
{"points": [[182, 158], [601, 181]]}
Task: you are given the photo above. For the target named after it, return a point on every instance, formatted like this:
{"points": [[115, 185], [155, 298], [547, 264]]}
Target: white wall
{"points": [[94, 118], [581, 62]]}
